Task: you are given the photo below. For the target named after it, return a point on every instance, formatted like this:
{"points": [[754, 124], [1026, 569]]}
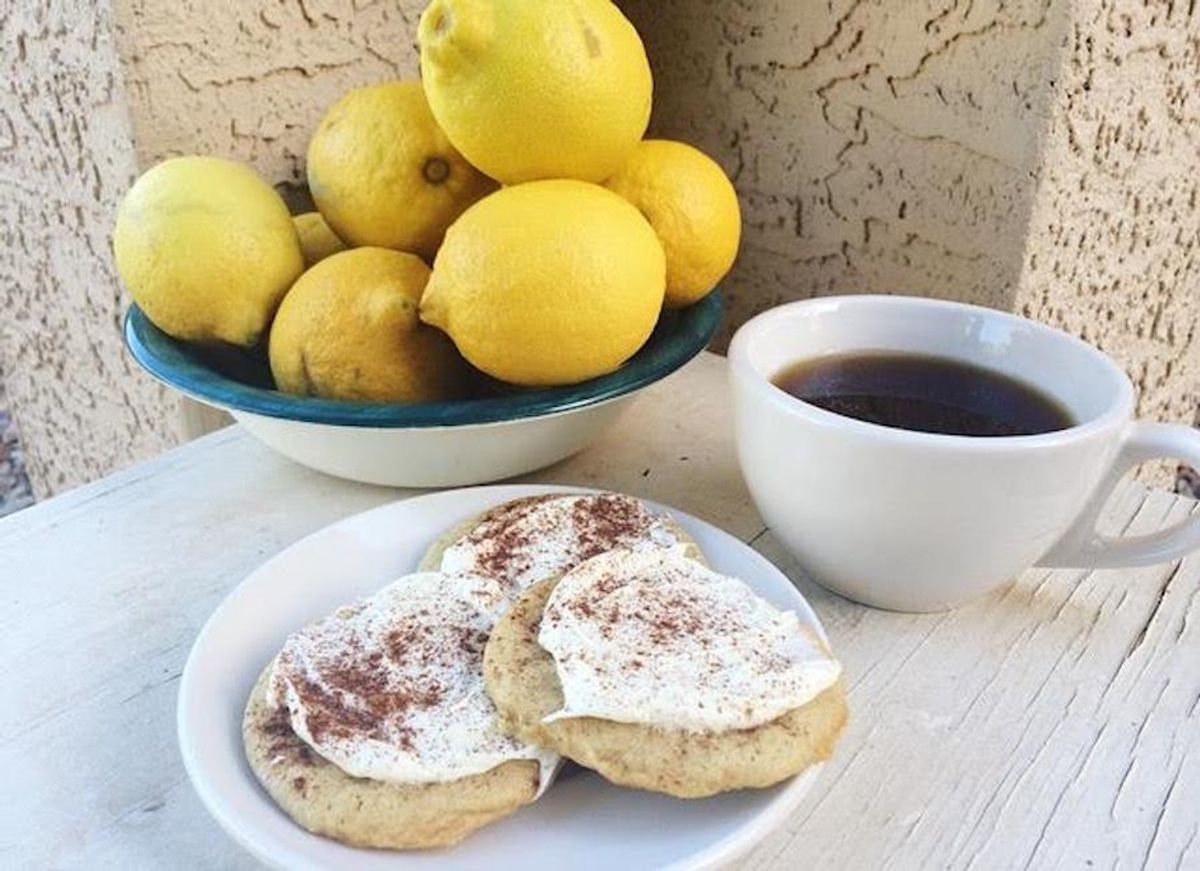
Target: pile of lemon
{"points": [[516, 167]]}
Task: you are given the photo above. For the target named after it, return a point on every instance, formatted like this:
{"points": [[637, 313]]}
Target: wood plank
{"points": [[110, 586], [1053, 724], [111, 583], [674, 446]]}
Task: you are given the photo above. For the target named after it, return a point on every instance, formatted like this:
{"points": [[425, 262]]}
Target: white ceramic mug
{"points": [[915, 521]]}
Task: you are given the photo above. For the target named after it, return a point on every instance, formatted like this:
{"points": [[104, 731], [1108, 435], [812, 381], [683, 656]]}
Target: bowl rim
{"points": [[163, 357]]}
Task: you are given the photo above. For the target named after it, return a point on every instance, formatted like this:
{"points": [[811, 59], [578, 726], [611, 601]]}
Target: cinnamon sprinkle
{"points": [[651, 636], [394, 691], [506, 539], [282, 740], [357, 695]]}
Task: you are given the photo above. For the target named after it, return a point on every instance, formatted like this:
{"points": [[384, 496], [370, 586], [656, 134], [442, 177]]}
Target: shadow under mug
{"points": [[915, 521]]}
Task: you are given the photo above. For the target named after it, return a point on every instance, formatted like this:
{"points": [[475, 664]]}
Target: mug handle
{"points": [[1084, 547]]}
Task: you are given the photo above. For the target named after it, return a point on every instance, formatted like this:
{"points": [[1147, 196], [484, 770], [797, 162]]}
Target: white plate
{"points": [[582, 823]]}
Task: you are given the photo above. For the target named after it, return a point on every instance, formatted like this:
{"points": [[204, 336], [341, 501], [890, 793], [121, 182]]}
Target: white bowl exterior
{"points": [[902, 520], [452, 456]]}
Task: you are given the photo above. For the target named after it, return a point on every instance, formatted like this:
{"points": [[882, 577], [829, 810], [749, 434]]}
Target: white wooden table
{"points": [[1054, 725]]}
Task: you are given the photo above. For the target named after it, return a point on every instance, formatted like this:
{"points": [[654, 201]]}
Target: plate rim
{"points": [[736, 843]]}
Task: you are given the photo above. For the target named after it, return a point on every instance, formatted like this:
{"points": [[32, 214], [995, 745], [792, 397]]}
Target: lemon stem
{"points": [[441, 20], [436, 170]]}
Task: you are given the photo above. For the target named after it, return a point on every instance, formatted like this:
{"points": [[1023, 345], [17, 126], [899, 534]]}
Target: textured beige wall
{"points": [[1031, 155], [876, 146], [250, 80], [1114, 241], [1036, 155], [65, 161]]}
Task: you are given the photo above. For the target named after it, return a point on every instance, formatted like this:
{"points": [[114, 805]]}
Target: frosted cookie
{"points": [[528, 540], [372, 726], [661, 674]]}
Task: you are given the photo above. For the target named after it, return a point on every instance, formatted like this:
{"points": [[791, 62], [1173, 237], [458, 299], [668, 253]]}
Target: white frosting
{"points": [[653, 637], [391, 688], [523, 542]]}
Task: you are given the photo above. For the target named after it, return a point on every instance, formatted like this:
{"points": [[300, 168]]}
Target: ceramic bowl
{"points": [[437, 444]]}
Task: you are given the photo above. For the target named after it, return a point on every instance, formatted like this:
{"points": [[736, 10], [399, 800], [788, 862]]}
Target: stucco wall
{"points": [[1031, 155], [876, 146], [250, 80], [65, 161], [1034, 155], [1113, 250]]}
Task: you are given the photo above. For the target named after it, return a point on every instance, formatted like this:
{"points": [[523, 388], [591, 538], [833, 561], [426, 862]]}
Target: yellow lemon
{"points": [[348, 329], [207, 249], [532, 89], [549, 282], [693, 208], [383, 173], [317, 241]]}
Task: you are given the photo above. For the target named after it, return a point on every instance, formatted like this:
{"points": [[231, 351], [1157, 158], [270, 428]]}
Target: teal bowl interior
{"points": [[239, 379]]}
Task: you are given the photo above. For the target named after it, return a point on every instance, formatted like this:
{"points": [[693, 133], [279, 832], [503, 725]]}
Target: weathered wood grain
{"points": [[1055, 724]]}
